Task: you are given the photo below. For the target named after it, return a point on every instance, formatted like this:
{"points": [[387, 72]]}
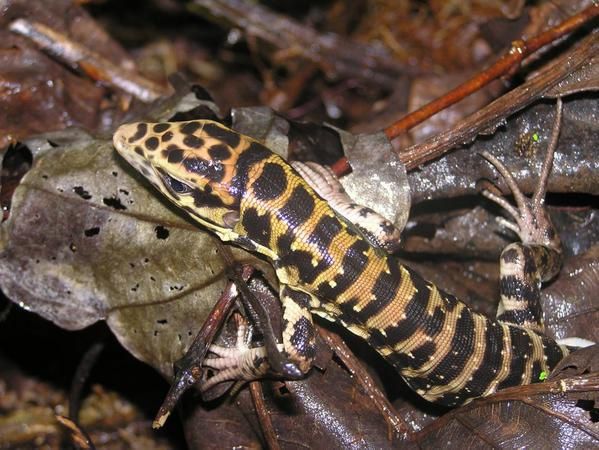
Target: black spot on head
{"points": [[152, 143], [219, 152], [271, 183], [190, 127], [225, 135], [160, 127], [168, 150], [193, 141], [175, 156], [139, 150], [142, 129], [167, 136], [207, 169]]}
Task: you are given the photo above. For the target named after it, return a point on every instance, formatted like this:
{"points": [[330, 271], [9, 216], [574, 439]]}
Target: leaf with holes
{"points": [[89, 240]]}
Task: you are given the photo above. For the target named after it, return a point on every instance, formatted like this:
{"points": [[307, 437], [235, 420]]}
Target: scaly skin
{"points": [[250, 196]]}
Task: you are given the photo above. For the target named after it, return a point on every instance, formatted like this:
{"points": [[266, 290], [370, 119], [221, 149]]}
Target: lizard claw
{"points": [[531, 221], [240, 362]]}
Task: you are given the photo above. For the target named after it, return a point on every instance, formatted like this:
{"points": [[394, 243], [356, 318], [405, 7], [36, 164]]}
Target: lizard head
{"points": [[192, 163]]}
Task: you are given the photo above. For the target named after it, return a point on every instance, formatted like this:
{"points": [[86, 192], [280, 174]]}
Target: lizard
{"points": [[249, 196]]}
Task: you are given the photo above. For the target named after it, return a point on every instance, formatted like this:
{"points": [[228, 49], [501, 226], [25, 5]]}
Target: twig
{"points": [[507, 104], [519, 50], [270, 436], [78, 435], [510, 102], [81, 375], [188, 368], [95, 66], [343, 352], [333, 53]]}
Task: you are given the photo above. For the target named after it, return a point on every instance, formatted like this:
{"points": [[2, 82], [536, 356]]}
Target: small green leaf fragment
{"points": [[543, 376]]}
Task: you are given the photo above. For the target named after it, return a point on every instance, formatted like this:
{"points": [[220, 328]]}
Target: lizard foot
{"points": [[238, 363], [532, 224]]}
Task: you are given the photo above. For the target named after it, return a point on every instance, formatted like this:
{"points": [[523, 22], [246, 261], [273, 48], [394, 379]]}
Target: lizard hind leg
{"points": [[525, 265]]}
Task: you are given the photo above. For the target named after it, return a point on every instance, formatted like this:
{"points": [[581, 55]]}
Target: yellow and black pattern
{"points": [[246, 194]]}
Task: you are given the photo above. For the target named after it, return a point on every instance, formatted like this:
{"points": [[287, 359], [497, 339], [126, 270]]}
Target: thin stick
{"points": [[95, 66], [519, 50], [419, 154], [270, 435]]}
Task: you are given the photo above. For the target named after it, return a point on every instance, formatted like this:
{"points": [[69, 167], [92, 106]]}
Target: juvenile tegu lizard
{"points": [[447, 353]]}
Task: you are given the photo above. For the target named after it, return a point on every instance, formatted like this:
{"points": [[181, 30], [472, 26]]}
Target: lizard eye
{"points": [[176, 186]]}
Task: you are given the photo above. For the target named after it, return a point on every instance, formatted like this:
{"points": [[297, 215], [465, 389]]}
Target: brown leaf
{"points": [[570, 303], [580, 362], [327, 406], [87, 241]]}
